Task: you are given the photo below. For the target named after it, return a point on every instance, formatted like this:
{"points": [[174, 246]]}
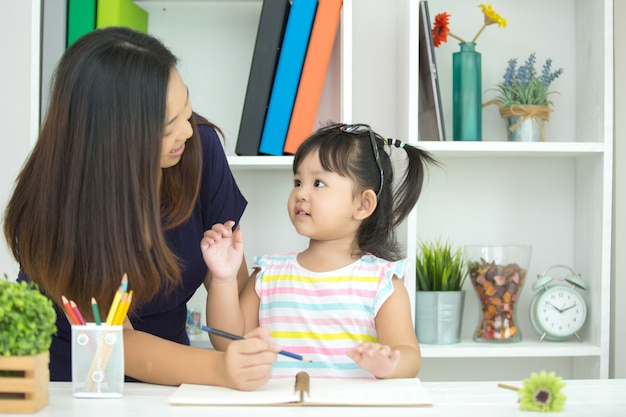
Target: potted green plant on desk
{"points": [[27, 323], [440, 271]]}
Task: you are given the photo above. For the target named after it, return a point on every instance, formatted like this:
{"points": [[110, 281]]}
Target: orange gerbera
{"points": [[440, 29]]}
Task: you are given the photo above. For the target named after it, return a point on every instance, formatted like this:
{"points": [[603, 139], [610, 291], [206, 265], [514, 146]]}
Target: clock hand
{"points": [[555, 307], [569, 307]]}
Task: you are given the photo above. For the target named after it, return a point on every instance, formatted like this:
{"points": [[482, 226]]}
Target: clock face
{"points": [[560, 311]]}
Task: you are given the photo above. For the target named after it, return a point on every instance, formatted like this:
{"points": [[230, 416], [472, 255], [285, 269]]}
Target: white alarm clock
{"points": [[558, 310]]}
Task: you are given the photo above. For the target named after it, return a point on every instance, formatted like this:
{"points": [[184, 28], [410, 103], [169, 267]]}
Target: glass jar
{"points": [[498, 274]]}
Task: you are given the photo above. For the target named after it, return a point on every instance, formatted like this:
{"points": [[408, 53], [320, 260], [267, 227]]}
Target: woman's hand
{"points": [[248, 362], [222, 250], [379, 359]]}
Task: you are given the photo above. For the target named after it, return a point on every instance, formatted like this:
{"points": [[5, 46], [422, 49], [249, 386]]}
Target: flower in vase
{"points": [[522, 85], [441, 29], [542, 392]]}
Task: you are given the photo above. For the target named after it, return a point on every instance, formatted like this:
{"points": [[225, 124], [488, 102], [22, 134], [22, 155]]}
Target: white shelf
{"points": [[523, 349]]}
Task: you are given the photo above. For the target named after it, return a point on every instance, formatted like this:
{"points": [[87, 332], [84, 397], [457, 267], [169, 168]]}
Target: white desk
{"points": [[596, 398]]}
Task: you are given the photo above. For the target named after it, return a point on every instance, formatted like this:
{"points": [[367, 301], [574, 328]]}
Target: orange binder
{"points": [[313, 73]]}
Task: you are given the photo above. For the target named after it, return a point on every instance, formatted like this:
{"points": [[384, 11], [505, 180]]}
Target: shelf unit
{"points": [[556, 196]]}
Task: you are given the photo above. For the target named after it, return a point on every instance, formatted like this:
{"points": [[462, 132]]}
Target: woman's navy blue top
{"points": [[165, 316]]}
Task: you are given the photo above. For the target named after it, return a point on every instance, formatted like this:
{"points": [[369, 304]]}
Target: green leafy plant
{"points": [[524, 86], [27, 319], [440, 267]]}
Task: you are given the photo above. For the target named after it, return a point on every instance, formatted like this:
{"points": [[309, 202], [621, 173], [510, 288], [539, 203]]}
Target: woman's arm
{"points": [[245, 365]]}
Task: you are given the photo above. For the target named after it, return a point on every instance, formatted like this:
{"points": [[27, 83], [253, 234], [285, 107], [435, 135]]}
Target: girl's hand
{"points": [[248, 362], [222, 250], [379, 359]]}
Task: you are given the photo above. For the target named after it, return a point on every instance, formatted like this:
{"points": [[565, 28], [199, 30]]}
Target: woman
{"points": [[125, 178]]}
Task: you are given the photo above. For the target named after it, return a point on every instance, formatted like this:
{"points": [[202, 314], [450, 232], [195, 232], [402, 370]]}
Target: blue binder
{"points": [[287, 77]]}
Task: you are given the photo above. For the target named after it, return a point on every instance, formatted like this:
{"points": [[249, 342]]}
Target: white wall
{"points": [[618, 333], [19, 110]]}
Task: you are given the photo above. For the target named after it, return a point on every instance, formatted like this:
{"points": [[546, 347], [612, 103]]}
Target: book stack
{"points": [[289, 64]]}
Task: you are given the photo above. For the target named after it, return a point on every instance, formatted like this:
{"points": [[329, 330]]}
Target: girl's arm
{"points": [[245, 365], [397, 353], [394, 325]]}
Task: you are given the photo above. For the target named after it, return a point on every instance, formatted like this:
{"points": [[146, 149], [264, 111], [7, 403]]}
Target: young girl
{"points": [[340, 303]]}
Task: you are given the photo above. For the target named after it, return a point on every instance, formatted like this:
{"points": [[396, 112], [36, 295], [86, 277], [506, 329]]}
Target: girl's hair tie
{"points": [[395, 142]]}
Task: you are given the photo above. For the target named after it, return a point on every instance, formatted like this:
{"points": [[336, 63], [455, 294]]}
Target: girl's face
{"points": [[177, 125], [322, 204]]}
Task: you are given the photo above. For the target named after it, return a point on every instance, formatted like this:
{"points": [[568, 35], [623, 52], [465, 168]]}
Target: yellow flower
{"points": [[491, 17]]}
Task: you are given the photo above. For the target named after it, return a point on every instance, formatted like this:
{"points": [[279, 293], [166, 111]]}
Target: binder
{"points": [[81, 19], [269, 38], [121, 13], [313, 73], [288, 72]]}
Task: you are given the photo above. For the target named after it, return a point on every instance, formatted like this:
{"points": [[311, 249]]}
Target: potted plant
{"points": [[27, 323], [440, 271], [523, 98]]}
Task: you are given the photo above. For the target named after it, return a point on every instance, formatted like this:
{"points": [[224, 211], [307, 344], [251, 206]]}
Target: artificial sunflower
{"points": [[542, 392], [441, 29]]}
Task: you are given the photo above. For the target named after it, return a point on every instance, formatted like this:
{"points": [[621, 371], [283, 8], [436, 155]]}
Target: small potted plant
{"points": [[440, 271], [27, 323], [523, 98]]}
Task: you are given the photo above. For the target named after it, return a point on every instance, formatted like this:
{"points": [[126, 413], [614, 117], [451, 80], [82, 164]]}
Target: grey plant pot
{"points": [[439, 316]]}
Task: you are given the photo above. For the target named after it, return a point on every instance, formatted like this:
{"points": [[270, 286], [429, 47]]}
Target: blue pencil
{"points": [[236, 337]]}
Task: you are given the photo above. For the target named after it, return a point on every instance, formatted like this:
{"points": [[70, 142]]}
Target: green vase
{"points": [[467, 93]]}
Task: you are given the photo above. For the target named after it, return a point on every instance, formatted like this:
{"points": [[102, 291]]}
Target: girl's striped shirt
{"points": [[320, 315]]}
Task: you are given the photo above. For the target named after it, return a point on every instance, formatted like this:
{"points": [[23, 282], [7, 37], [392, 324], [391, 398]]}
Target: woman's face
{"points": [[177, 125]]}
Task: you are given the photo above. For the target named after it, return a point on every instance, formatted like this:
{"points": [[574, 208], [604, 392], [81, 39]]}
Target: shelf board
{"points": [[471, 349], [452, 149], [260, 162], [511, 149]]}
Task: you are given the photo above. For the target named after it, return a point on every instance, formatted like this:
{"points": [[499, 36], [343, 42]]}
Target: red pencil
{"points": [[70, 311], [79, 316]]}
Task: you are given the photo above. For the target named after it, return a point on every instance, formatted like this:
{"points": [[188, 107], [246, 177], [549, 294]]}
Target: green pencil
{"points": [[96, 312]]}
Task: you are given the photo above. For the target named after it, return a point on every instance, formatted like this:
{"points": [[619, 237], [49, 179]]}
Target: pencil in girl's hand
{"points": [[96, 311], [79, 316], [69, 310], [231, 336]]}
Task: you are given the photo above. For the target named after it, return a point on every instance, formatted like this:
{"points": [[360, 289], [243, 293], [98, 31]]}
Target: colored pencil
{"points": [[70, 311], [120, 307], [231, 336], [79, 316], [96, 311], [114, 305], [126, 307], [125, 283]]}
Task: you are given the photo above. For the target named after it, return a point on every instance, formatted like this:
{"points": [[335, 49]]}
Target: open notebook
{"points": [[408, 392]]}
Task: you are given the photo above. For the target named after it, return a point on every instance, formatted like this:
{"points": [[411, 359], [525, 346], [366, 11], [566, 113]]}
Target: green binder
{"points": [[81, 18], [121, 13]]}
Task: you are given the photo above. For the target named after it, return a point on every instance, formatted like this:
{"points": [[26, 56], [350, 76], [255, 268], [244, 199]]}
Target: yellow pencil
{"points": [[114, 306], [120, 310], [119, 320]]}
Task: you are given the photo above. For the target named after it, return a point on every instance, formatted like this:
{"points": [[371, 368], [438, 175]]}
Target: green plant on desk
{"points": [[27, 319]]}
